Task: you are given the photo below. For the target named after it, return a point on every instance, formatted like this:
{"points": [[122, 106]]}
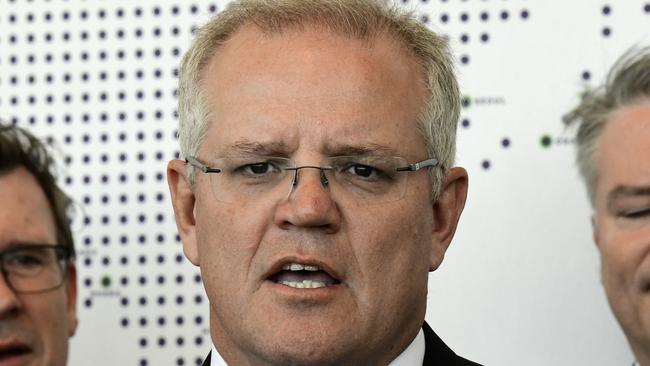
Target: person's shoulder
{"points": [[465, 362]]}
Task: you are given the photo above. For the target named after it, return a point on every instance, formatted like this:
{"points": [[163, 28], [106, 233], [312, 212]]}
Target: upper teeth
{"points": [[299, 267], [304, 284]]}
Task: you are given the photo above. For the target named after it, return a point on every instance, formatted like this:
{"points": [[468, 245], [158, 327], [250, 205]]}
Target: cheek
{"points": [[48, 312], [614, 258], [624, 253], [393, 253], [394, 241], [228, 237], [217, 221]]}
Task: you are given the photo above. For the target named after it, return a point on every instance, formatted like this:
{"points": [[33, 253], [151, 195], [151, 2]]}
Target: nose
{"points": [[309, 203], [9, 303]]}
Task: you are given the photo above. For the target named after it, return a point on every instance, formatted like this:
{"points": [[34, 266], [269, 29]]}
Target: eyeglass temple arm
{"points": [[419, 165], [199, 165]]}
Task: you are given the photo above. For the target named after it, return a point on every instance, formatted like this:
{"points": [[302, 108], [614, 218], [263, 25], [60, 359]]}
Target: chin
{"points": [[309, 347], [307, 355]]}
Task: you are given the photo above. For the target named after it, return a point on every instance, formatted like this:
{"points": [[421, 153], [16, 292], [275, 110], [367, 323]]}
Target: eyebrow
{"points": [[622, 191]]}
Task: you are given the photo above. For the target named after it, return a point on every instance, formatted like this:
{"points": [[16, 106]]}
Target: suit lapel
{"points": [[207, 359], [437, 353]]}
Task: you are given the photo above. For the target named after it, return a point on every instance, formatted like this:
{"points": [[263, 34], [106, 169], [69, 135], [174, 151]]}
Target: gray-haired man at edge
{"points": [[613, 155], [317, 188]]}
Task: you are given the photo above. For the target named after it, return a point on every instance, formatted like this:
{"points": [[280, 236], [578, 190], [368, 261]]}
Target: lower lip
{"points": [[14, 360], [320, 294]]}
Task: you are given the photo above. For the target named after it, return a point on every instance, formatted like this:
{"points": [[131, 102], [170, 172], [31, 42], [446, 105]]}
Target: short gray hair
{"points": [[627, 83], [362, 19]]}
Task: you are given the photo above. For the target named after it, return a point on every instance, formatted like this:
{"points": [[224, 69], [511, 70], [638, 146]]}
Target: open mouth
{"points": [[304, 276], [11, 351]]}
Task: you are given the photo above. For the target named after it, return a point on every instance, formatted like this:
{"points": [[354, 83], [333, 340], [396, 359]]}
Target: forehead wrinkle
{"points": [[249, 147], [362, 149]]}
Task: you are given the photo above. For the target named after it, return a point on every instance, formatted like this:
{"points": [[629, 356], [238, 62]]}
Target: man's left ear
{"points": [[71, 293], [446, 213]]}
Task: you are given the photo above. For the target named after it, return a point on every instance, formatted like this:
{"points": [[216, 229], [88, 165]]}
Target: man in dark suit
{"points": [[317, 188]]}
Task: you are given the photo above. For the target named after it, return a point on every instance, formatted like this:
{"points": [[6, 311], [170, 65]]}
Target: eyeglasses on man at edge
{"points": [[367, 180], [35, 268]]}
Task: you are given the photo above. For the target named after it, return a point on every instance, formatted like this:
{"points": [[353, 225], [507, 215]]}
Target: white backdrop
{"points": [[520, 283]]}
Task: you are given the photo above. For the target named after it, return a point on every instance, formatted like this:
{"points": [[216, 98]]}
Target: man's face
{"points": [[309, 95], [34, 328], [622, 220]]}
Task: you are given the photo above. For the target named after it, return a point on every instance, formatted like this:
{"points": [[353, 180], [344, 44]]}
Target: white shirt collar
{"points": [[216, 359], [412, 355]]}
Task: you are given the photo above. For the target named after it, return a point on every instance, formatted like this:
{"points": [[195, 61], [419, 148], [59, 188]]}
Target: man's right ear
{"points": [[183, 200]]}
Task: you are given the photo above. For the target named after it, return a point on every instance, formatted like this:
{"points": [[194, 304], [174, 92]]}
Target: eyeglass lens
{"points": [[34, 268]]}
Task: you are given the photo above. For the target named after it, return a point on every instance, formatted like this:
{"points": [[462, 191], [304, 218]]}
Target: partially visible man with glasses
{"points": [[316, 190], [613, 155], [38, 285]]}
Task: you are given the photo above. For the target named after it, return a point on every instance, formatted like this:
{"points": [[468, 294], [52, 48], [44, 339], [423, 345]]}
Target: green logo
{"points": [[546, 141], [106, 281]]}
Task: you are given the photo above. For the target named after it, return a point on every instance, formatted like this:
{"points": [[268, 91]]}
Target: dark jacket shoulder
{"points": [[437, 353]]}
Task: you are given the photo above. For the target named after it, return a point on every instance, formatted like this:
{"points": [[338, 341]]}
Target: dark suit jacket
{"points": [[436, 352]]}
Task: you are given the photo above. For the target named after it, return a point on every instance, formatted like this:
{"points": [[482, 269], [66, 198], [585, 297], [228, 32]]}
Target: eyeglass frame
{"points": [[413, 167], [426, 163], [65, 259]]}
